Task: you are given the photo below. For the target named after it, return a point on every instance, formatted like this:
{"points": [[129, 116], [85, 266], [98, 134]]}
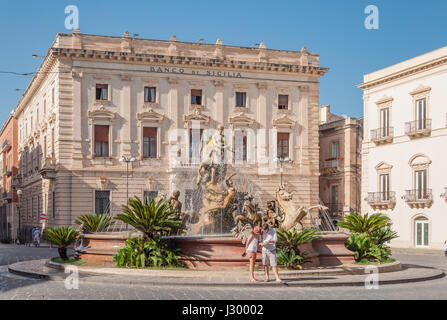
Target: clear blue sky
{"points": [[334, 29]]}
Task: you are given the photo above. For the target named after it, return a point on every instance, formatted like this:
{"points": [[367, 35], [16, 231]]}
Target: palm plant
{"points": [[384, 235], [91, 223], [62, 237], [289, 253], [151, 218], [364, 224], [291, 240]]}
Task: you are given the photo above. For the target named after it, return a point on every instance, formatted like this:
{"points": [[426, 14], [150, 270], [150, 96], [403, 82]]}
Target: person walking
{"points": [[251, 250], [37, 237], [269, 258]]}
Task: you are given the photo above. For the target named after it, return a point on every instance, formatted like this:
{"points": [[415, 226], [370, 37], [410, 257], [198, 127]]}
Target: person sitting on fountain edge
{"points": [[269, 240]]}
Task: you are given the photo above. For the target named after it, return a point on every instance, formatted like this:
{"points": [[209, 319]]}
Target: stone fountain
{"points": [[217, 233]]}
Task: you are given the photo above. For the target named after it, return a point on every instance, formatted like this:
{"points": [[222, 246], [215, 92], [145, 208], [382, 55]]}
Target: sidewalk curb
{"points": [[317, 283]]}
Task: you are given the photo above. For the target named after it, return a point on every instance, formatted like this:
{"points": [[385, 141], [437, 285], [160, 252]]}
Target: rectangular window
{"points": [[421, 114], [101, 141], [241, 99], [240, 146], [334, 195], [385, 187], [335, 150], [196, 97], [283, 145], [195, 143], [385, 122], [150, 94], [53, 97], [53, 200], [150, 142], [102, 92], [283, 102], [421, 184], [150, 194], [102, 202]]}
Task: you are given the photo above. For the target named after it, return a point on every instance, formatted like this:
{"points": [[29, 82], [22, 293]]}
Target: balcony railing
{"points": [[419, 198], [382, 135], [382, 200], [419, 127]]}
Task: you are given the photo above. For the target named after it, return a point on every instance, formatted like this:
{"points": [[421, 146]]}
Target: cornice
{"points": [[187, 61], [404, 73]]}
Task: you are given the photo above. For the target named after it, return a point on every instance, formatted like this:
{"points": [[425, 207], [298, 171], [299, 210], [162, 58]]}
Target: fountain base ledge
{"points": [[218, 252]]}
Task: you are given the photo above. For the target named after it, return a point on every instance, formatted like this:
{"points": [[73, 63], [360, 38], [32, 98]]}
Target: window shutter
{"points": [[102, 133], [150, 132]]}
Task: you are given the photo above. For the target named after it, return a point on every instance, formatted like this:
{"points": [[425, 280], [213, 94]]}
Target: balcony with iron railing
{"points": [[418, 128], [419, 198], [382, 200], [382, 135]]}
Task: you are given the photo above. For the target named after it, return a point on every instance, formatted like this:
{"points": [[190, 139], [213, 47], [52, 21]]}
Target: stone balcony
{"points": [[382, 200], [48, 170], [419, 198], [418, 128], [333, 166], [382, 135]]}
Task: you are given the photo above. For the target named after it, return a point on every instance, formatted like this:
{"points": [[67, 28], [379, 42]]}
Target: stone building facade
{"points": [[340, 163], [97, 99], [9, 214], [404, 150]]}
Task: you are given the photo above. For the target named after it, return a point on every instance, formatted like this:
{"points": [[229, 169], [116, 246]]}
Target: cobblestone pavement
{"points": [[18, 288]]}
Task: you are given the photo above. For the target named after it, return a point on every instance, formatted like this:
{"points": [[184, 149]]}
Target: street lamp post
{"points": [[127, 161], [19, 195], [281, 161]]}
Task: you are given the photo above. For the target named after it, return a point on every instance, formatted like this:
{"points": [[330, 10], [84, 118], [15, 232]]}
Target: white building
{"points": [[404, 150]]}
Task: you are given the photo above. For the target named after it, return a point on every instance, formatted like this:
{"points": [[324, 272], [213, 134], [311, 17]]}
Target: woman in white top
{"points": [[251, 250]]}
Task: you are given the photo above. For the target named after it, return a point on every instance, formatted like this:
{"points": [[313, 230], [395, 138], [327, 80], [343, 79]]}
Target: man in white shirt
{"points": [[269, 240]]}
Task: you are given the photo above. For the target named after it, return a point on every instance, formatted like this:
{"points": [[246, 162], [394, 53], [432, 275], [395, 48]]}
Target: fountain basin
{"points": [[219, 251]]}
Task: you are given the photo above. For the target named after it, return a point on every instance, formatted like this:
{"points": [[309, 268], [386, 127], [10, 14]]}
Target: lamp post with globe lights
{"points": [[281, 161]]}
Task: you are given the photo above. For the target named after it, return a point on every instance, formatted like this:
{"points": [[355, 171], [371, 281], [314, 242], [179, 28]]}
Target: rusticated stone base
{"points": [[203, 253]]}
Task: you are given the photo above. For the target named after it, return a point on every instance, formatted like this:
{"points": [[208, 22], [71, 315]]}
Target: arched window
{"points": [[421, 229]]}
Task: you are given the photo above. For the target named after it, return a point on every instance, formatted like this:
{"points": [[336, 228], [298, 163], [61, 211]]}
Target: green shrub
{"points": [[91, 223], [62, 237], [370, 236], [289, 254], [154, 253]]}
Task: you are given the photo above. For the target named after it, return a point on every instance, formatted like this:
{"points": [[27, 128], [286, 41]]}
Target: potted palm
{"points": [[62, 237]]}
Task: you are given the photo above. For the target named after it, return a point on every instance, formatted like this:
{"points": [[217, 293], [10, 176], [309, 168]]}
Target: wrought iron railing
{"points": [[381, 197], [418, 126], [382, 134], [418, 195], [333, 163]]}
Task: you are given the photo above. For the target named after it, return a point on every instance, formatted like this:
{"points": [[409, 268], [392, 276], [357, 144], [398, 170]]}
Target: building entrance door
{"points": [[422, 233]]}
